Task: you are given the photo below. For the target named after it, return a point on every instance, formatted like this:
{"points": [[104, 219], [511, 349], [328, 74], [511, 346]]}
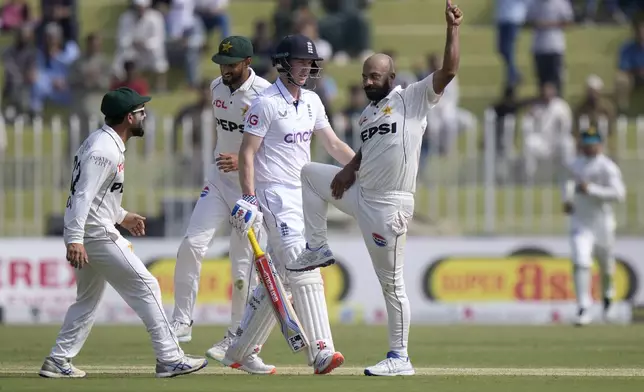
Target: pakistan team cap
{"points": [[590, 136], [232, 50], [121, 101]]}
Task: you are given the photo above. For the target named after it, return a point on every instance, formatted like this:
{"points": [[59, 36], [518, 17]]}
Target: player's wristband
{"points": [[250, 198]]}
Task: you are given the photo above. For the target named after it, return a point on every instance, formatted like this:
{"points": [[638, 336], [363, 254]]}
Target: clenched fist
{"points": [[453, 14]]}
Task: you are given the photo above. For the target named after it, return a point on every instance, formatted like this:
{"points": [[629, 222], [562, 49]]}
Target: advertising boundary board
{"points": [[449, 280]]}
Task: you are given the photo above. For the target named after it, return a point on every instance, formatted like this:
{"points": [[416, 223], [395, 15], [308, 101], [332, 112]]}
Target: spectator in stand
{"points": [[142, 38], [62, 12], [16, 61], [132, 79], [510, 17], [612, 7], [193, 113], [404, 77], [347, 29], [53, 65], [549, 18], [599, 111], [309, 28], [14, 14], [288, 14], [348, 122], [263, 48], [629, 85], [214, 15], [547, 136], [89, 79], [185, 38]]}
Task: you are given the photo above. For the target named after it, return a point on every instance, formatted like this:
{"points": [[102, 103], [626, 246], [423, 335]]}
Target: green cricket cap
{"points": [[121, 101], [233, 49]]}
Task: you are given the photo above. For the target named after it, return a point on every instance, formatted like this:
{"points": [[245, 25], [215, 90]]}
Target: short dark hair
{"points": [[112, 121]]}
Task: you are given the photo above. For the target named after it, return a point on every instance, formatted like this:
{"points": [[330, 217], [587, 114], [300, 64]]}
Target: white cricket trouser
{"points": [[382, 218], [587, 241], [284, 221], [212, 212], [111, 260]]}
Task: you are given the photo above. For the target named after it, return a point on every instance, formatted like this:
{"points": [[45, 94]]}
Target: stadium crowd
{"points": [[45, 64]]}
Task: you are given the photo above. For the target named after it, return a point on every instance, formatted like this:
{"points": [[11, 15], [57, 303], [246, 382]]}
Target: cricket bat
{"points": [[289, 323]]}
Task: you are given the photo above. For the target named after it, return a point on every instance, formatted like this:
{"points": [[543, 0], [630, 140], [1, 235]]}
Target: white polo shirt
{"points": [[392, 132], [287, 130], [230, 109]]}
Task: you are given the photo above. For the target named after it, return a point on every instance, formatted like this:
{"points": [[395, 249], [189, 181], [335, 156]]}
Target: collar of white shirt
{"points": [[287, 95], [115, 136], [249, 82]]}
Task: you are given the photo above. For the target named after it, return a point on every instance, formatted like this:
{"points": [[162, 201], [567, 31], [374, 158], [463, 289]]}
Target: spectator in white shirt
{"points": [[186, 38], [214, 14], [547, 133], [141, 38]]}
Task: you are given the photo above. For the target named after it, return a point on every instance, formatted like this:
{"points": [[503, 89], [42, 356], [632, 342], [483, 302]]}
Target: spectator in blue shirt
{"points": [[630, 76], [53, 63], [510, 17]]}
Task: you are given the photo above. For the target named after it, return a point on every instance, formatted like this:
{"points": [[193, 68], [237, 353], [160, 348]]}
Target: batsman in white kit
{"points": [[98, 252], [594, 185], [232, 94], [276, 145], [377, 187]]}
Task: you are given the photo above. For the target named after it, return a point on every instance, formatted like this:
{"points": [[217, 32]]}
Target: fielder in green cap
{"points": [[124, 111], [101, 255], [232, 94]]}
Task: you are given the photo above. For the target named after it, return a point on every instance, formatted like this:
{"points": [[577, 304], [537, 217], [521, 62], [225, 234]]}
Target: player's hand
{"points": [[581, 187], [568, 208], [342, 181], [134, 223], [227, 162], [76, 255], [453, 14], [245, 214]]}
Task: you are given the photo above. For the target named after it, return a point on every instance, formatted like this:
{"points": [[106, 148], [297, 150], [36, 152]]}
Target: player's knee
{"points": [[192, 245], [307, 171]]}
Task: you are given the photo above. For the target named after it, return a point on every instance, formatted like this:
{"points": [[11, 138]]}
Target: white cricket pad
{"points": [[310, 306], [256, 326]]}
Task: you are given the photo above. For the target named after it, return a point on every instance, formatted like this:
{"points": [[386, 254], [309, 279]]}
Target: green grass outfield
{"points": [[447, 359]]}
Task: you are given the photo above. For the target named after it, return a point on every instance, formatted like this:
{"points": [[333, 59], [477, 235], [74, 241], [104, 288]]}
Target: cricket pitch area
{"points": [[446, 358]]}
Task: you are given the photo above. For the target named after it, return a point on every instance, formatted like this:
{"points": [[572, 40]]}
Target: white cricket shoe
{"points": [[183, 331], [218, 350], [311, 259], [252, 364], [60, 368], [394, 365], [326, 361], [583, 318], [186, 365]]}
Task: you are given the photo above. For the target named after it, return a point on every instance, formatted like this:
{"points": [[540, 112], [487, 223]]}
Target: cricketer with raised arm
{"points": [[377, 187], [275, 147], [98, 252], [594, 185], [232, 94]]}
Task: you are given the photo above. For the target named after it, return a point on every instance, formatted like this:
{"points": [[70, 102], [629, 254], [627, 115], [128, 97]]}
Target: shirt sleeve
{"points": [[321, 118], [258, 119], [89, 173], [615, 191], [419, 97]]}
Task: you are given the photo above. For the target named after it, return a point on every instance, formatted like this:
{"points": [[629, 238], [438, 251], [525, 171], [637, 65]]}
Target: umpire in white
{"points": [[99, 253]]}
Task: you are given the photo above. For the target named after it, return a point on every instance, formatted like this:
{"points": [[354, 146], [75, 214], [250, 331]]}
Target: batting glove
{"points": [[244, 215]]}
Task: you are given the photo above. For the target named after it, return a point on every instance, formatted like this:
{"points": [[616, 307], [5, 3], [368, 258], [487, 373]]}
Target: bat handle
{"points": [[254, 243]]}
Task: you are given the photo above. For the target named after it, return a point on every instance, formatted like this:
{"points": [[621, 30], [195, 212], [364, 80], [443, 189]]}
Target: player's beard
{"points": [[233, 80], [377, 93], [138, 130]]}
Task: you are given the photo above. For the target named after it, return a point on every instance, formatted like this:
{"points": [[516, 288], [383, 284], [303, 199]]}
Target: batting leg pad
{"points": [[309, 302], [256, 326]]}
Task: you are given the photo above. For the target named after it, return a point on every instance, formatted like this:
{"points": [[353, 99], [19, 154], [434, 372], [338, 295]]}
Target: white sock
{"points": [[583, 280]]}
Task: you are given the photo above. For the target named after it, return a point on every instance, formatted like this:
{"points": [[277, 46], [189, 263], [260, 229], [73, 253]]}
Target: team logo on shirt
{"points": [[379, 240], [229, 126], [381, 129], [204, 191], [221, 104], [244, 110], [298, 137], [253, 120], [387, 110]]}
